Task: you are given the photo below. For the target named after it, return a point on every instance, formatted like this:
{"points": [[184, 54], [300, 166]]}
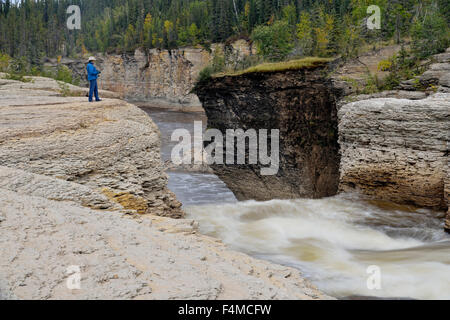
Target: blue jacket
{"points": [[92, 72]]}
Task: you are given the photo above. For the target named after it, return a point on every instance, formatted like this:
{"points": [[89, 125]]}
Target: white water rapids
{"points": [[332, 241]]}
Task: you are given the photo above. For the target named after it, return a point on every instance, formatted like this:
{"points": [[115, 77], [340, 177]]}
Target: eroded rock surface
{"points": [[397, 149], [111, 146], [74, 178]]}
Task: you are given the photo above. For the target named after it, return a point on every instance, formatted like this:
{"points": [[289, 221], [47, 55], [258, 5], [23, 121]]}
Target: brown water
{"points": [[332, 241]]}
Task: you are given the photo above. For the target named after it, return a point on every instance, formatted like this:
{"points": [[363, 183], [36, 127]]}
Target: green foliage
{"points": [[4, 62], [373, 84], [63, 74], [274, 42], [64, 89], [17, 69], [290, 15], [19, 66], [305, 34], [385, 65], [35, 29], [430, 34], [403, 66], [217, 65], [17, 77], [205, 74]]}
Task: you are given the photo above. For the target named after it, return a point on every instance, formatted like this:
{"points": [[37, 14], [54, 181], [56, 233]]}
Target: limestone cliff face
{"points": [[163, 77], [302, 105], [397, 149]]}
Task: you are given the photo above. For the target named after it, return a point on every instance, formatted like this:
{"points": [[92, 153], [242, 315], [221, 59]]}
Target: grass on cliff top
{"points": [[305, 63]]}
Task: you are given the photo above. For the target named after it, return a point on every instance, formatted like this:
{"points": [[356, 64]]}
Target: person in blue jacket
{"points": [[92, 78]]}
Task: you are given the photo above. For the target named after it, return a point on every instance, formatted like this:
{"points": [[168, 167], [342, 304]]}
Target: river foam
{"points": [[334, 240]]}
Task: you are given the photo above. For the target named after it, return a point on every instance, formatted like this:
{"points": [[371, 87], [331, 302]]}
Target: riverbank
{"points": [[82, 185]]}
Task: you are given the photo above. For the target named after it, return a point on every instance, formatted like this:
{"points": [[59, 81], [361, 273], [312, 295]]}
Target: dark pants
{"points": [[93, 90]]}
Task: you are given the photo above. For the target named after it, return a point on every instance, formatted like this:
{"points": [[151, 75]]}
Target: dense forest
{"points": [[37, 28]]}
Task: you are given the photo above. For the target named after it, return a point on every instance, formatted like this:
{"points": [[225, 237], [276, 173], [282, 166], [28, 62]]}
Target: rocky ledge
{"points": [[111, 145], [75, 181]]}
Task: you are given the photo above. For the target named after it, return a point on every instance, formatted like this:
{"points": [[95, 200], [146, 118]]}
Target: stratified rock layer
{"points": [[111, 145], [302, 105], [397, 149], [159, 77]]}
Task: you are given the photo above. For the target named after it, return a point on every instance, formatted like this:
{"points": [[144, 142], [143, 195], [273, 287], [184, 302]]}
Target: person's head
{"points": [[92, 60]]}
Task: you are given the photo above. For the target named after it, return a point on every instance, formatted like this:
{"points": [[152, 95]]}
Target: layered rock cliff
{"points": [[158, 77], [396, 149], [302, 105]]}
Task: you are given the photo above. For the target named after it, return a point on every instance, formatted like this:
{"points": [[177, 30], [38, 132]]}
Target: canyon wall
{"points": [[302, 105], [396, 149], [160, 76], [157, 77]]}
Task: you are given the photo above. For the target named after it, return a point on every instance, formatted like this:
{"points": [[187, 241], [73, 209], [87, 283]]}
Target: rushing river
{"points": [[332, 241]]}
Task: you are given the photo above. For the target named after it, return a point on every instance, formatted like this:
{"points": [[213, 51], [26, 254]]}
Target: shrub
{"points": [[217, 65], [404, 65], [64, 74], [4, 62], [385, 65], [205, 74], [430, 35], [274, 42], [64, 89]]}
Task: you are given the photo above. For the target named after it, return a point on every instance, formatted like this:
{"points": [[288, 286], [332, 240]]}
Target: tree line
{"points": [[37, 28]]}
